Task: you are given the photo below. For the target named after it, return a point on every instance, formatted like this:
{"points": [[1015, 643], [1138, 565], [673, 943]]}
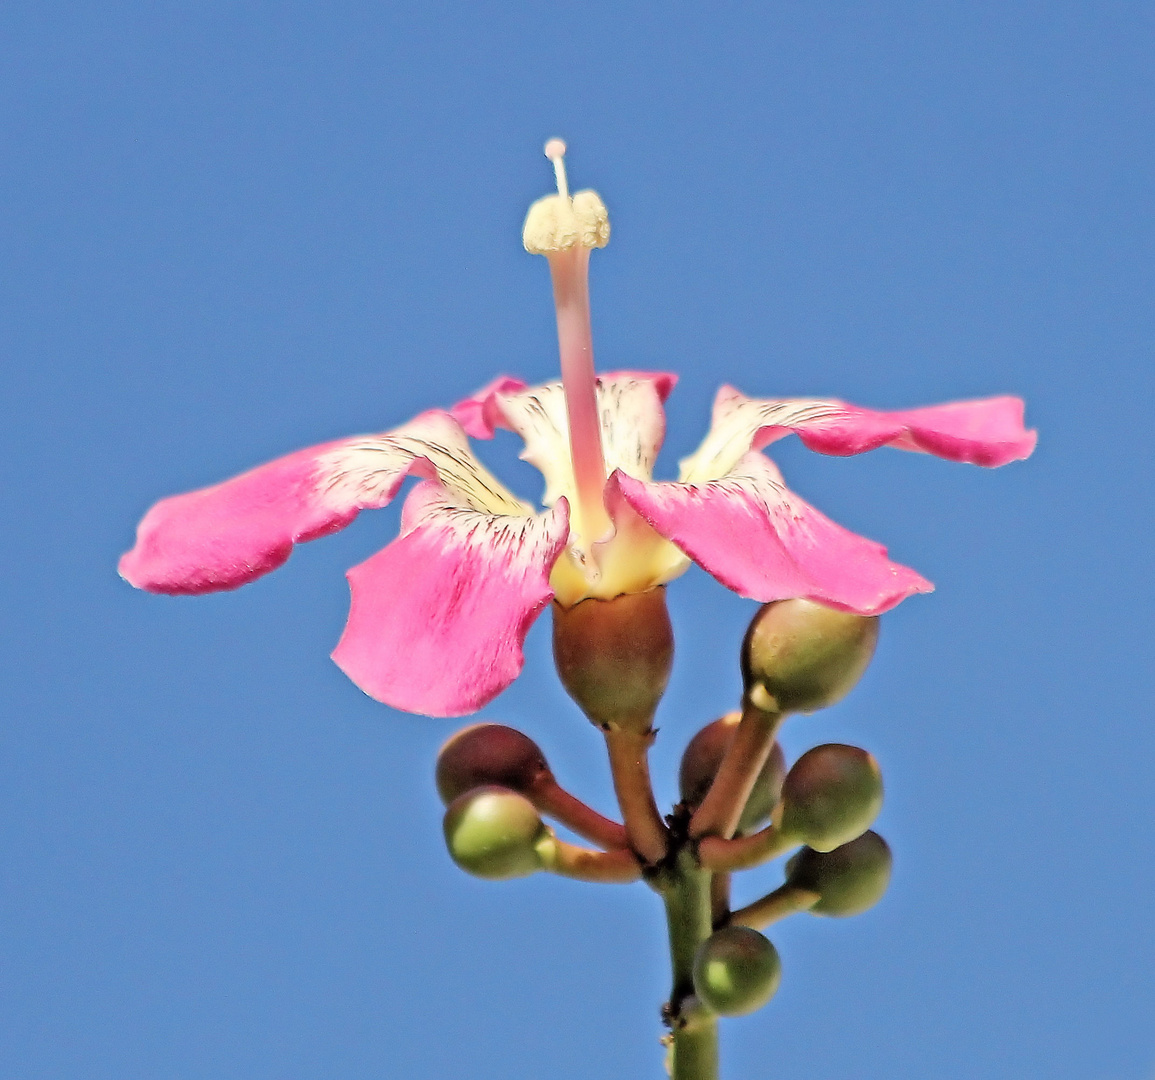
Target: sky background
{"points": [[231, 229]]}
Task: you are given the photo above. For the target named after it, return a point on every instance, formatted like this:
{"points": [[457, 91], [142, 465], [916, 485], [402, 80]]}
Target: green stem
{"points": [[694, 1054]]}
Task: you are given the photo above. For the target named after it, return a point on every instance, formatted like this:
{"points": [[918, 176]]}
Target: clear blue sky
{"points": [[231, 229]]}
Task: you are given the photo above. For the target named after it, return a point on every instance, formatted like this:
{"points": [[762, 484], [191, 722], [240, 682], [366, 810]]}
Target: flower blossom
{"points": [[438, 617]]}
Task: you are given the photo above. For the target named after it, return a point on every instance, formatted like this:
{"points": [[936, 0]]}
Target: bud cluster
{"points": [[740, 805]]}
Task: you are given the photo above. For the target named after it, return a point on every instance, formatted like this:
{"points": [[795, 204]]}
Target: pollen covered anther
{"points": [[561, 223]]}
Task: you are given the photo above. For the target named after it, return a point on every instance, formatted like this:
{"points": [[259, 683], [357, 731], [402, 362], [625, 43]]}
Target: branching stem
{"points": [[743, 852], [568, 810], [785, 900], [582, 864]]}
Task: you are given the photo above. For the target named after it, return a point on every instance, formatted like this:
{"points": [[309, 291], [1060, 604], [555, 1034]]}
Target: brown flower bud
{"points": [[489, 754], [700, 765]]}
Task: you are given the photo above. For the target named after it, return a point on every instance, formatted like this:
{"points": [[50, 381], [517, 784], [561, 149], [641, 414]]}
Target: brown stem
{"points": [[645, 828], [582, 864], [743, 852], [719, 899], [553, 800], [722, 807], [785, 900]]}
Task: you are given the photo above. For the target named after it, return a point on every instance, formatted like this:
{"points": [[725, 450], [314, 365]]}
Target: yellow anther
{"points": [[557, 222]]}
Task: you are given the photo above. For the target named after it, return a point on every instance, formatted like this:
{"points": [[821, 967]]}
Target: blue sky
{"points": [[232, 229]]}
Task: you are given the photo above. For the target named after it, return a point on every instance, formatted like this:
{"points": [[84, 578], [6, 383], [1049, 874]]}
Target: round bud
{"points": [[850, 879], [736, 971], [489, 754], [700, 765], [492, 833], [806, 656], [614, 657], [831, 795]]}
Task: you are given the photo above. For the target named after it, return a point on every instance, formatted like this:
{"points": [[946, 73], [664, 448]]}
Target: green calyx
{"points": [[700, 764], [799, 656], [736, 971], [832, 795], [494, 833], [850, 879], [489, 754]]}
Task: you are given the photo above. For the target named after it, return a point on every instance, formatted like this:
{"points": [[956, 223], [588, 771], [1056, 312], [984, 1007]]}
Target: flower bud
{"points": [[736, 971], [614, 657], [700, 765], [831, 795], [805, 656], [493, 833], [850, 879], [489, 754]]}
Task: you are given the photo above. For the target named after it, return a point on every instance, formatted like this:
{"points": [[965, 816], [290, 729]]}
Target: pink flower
{"points": [[439, 616]]}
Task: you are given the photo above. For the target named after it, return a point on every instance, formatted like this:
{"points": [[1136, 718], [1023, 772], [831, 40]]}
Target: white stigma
{"points": [[555, 151]]}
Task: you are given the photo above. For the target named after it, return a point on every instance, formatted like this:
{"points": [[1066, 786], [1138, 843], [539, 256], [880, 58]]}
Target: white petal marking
{"points": [[738, 426], [633, 425], [370, 469]]}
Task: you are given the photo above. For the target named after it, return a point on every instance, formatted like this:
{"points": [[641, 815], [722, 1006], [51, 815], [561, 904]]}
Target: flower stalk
{"points": [[603, 867], [722, 807], [554, 801], [630, 767], [741, 853], [773, 907]]}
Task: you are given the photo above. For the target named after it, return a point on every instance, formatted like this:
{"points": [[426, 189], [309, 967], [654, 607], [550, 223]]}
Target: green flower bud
{"points": [[700, 765], [736, 971], [831, 795], [614, 657], [489, 754], [850, 879], [493, 833], [805, 656]]}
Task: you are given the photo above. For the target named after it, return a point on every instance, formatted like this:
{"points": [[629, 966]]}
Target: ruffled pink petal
{"points": [[438, 617], [989, 432], [224, 536], [761, 540], [479, 414], [986, 432]]}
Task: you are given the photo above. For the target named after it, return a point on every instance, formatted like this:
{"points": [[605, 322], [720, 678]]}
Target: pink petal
{"points": [[224, 536], [438, 617], [761, 540], [478, 414], [988, 432]]}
